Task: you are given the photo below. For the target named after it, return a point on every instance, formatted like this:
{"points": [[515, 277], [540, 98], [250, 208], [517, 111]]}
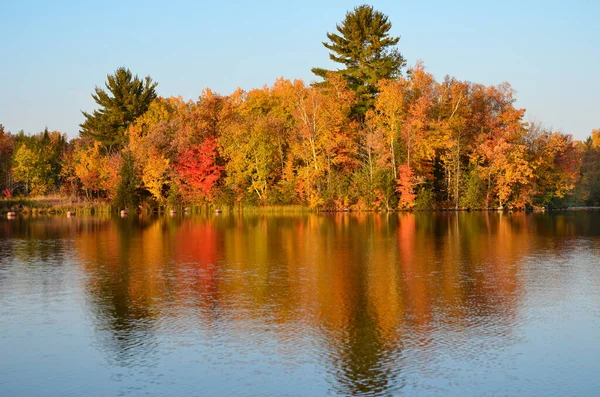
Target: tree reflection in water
{"points": [[370, 299]]}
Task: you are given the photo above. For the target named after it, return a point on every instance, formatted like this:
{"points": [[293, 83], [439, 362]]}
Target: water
{"points": [[306, 305]]}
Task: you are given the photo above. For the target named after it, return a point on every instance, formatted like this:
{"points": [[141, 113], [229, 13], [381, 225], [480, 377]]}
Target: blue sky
{"points": [[53, 54]]}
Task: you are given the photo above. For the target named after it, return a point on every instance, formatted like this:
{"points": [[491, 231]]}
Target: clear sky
{"points": [[53, 53]]}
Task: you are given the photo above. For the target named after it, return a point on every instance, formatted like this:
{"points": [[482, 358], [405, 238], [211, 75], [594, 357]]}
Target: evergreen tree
{"points": [[7, 145], [51, 147], [127, 98], [367, 52], [126, 197]]}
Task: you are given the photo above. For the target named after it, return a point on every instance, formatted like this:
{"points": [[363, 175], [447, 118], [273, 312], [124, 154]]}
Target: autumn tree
{"points": [[155, 174], [452, 121], [381, 142], [126, 97], [402, 118], [198, 172], [88, 168], [37, 161], [26, 168], [388, 117], [323, 141], [251, 153], [153, 144], [366, 50], [501, 154], [421, 144], [556, 161], [418, 131], [374, 182], [595, 139], [406, 187]]}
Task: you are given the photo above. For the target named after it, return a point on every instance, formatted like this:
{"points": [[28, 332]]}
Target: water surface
{"points": [[306, 305]]}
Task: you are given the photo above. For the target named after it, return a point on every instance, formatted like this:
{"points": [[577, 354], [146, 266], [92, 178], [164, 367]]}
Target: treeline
{"points": [[367, 137], [32, 164]]}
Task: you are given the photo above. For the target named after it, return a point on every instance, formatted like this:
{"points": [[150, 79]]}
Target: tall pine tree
{"points": [[367, 52], [127, 97]]}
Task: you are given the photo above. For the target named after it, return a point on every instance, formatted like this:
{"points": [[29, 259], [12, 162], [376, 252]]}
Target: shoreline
{"points": [[64, 206]]}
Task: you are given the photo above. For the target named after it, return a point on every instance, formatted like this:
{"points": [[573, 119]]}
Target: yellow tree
{"points": [[323, 139], [163, 112], [251, 145], [501, 154], [153, 138], [25, 168], [596, 138], [155, 174], [388, 117], [90, 166], [409, 111], [452, 123], [556, 162], [417, 132]]}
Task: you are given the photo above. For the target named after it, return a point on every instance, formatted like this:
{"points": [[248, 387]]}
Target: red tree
{"points": [[406, 186], [198, 172]]}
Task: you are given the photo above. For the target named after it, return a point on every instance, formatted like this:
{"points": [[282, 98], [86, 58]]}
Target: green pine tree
{"points": [[126, 197], [127, 98], [367, 52]]}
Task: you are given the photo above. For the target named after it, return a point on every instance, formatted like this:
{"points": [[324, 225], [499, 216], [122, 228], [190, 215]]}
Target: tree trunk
{"points": [[393, 156]]}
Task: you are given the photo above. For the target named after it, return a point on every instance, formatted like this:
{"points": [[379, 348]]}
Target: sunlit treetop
{"points": [[127, 97], [366, 50]]}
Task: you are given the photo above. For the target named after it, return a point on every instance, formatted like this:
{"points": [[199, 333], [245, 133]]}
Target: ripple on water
{"points": [[301, 306]]}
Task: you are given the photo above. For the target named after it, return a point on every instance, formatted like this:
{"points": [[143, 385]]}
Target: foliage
{"points": [[37, 161], [366, 50], [474, 191], [126, 97], [7, 145], [198, 172], [365, 138], [406, 187], [126, 195], [425, 200], [588, 187]]}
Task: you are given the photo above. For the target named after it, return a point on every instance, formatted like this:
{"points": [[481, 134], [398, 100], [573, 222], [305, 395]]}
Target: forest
{"points": [[371, 135]]}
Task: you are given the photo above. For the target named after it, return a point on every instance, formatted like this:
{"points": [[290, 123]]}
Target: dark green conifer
{"points": [[127, 197], [127, 97], [367, 52]]}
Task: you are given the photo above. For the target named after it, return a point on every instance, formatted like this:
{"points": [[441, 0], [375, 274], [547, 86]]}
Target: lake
{"points": [[427, 304]]}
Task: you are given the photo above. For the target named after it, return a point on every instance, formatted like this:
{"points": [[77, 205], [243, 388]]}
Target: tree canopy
{"points": [[366, 138], [126, 98], [367, 52]]}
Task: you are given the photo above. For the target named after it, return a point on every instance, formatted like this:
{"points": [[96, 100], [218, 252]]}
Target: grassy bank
{"points": [[52, 205]]}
